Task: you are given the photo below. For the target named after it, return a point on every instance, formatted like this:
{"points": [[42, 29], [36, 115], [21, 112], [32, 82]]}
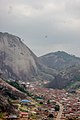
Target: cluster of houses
{"points": [[69, 101], [35, 109], [42, 104]]}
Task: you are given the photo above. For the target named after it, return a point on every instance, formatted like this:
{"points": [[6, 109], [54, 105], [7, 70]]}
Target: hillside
{"points": [[18, 62], [8, 93], [68, 67], [59, 60], [5, 105], [67, 79]]}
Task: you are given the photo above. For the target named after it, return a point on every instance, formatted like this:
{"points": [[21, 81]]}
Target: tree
{"points": [[48, 102], [57, 107], [50, 117]]}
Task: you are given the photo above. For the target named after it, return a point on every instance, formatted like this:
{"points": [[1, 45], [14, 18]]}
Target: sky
{"points": [[43, 25]]}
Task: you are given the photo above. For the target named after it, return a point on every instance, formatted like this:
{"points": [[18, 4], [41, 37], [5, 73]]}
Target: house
{"points": [[12, 117], [24, 114], [25, 101]]}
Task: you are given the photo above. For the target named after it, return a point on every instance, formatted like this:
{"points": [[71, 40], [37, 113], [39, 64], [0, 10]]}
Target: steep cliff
{"points": [[17, 61]]}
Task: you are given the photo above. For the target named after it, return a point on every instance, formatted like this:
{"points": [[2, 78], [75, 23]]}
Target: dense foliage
{"points": [[17, 85], [57, 107]]}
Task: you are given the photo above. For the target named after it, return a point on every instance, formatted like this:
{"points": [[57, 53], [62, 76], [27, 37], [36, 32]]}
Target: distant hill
{"points": [[59, 60], [67, 79], [68, 67], [18, 62]]}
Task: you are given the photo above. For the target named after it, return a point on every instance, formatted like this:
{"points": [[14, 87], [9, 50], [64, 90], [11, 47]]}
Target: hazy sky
{"points": [[44, 25]]}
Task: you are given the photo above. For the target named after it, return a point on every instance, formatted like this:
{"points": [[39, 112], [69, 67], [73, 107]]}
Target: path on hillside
{"points": [[60, 112]]}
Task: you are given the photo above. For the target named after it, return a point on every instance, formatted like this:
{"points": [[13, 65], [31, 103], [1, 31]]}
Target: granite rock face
{"points": [[17, 61]]}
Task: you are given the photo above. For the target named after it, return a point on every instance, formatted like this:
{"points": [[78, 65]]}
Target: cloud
{"points": [[10, 10], [73, 8], [32, 20]]}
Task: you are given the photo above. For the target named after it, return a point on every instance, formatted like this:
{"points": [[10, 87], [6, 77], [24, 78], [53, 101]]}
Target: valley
{"points": [[37, 88]]}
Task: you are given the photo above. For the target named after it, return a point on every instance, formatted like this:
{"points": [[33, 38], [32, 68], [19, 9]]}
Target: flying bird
{"points": [[46, 36]]}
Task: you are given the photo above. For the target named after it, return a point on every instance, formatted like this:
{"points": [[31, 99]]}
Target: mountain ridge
{"points": [[16, 56], [18, 62], [59, 60]]}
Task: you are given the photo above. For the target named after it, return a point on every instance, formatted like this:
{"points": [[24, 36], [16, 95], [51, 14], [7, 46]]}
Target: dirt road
{"points": [[60, 112]]}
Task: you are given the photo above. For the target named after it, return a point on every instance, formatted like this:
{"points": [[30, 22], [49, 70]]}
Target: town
{"points": [[46, 104], [69, 102]]}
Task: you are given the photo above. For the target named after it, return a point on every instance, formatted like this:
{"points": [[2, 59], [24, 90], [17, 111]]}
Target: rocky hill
{"points": [[59, 60], [68, 67], [67, 79], [18, 62]]}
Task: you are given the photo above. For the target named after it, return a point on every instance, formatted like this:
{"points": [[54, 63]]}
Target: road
{"points": [[60, 112]]}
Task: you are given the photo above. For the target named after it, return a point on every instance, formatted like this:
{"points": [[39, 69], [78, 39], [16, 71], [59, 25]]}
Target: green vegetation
{"points": [[38, 97], [10, 94], [1, 115], [48, 102], [17, 85], [23, 110], [74, 86], [57, 107], [41, 103]]}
